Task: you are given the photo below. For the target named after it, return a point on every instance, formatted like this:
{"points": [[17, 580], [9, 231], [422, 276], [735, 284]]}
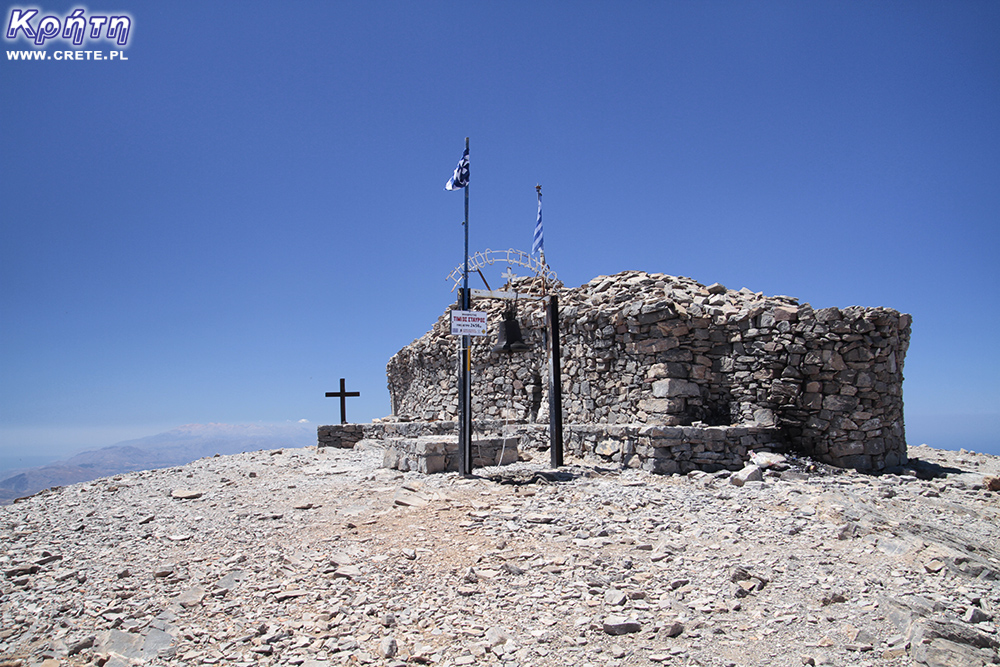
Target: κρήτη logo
{"points": [[76, 27]]}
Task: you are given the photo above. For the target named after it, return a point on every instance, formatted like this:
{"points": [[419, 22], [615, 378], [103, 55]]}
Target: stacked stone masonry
{"points": [[429, 454], [433, 446], [653, 349]]}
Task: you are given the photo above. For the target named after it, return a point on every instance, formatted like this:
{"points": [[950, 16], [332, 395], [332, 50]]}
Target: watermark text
{"points": [[77, 27], [66, 55]]}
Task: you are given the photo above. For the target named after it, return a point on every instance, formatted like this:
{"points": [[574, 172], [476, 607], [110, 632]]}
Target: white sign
{"points": [[468, 323]]}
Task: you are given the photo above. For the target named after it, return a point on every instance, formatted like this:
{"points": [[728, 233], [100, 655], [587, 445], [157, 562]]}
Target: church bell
{"points": [[509, 334]]}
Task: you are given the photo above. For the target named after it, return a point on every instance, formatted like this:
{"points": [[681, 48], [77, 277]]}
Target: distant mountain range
{"points": [[175, 447]]}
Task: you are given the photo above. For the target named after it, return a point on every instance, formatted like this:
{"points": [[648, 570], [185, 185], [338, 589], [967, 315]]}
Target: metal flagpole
{"points": [[555, 384], [465, 384]]}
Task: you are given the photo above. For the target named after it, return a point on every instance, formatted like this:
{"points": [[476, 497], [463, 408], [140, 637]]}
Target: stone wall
{"points": [[340, 436], [652, 349], [430, 454], [433, 446]]}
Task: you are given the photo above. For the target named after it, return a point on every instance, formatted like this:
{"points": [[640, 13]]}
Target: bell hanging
{"points": [[509, 335]]}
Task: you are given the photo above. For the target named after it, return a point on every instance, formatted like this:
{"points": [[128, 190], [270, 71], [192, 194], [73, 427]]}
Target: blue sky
{"points": [[251, 206]]}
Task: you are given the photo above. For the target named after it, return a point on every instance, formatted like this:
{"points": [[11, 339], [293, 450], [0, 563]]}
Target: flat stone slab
{"points": [[439, 453]]}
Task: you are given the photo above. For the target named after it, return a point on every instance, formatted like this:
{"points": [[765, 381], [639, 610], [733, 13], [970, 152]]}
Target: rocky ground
{"points": [[315, 558]]}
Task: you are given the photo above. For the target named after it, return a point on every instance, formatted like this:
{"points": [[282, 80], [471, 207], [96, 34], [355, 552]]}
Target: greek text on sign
{"points": [[468, 323]]}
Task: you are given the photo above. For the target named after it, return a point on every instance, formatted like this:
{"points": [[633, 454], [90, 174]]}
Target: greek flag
{"points": [[460, 178], [536, 244]]}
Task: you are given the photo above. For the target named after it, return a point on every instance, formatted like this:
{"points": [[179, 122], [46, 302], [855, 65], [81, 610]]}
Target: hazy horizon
{"points": [[976, 433], [98, 439]]}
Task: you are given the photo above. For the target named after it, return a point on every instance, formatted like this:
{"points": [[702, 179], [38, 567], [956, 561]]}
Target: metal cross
{"points": [[343, 394], [508, 275]]}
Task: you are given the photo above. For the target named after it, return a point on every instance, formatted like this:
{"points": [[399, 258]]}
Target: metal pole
{"points": [[465, 283], [461, 387], [465, 386], [555, 385]]}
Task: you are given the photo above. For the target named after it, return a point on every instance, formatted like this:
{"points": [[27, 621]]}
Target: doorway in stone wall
{"points": [[718, 410]]}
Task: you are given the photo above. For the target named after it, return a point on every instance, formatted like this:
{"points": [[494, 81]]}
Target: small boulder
{"points": [[619, 625], [388, 647], [751, 473]]}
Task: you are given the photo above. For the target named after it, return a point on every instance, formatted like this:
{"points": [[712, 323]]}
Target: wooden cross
{"points": [[343, 394]]}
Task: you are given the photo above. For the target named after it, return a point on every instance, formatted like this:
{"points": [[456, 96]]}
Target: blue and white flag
{"points": [[536, 244], [460, 178]]}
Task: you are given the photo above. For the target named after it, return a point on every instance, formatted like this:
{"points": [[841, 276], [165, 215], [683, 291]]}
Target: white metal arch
{"points": [[510, 256]]}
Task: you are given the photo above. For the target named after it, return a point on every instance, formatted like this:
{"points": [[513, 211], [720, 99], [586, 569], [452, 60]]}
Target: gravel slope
{"points": [[299, 557]]}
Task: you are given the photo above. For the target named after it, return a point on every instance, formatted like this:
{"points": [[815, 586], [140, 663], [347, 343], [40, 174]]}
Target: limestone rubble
{"points": [[320, 557]]}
